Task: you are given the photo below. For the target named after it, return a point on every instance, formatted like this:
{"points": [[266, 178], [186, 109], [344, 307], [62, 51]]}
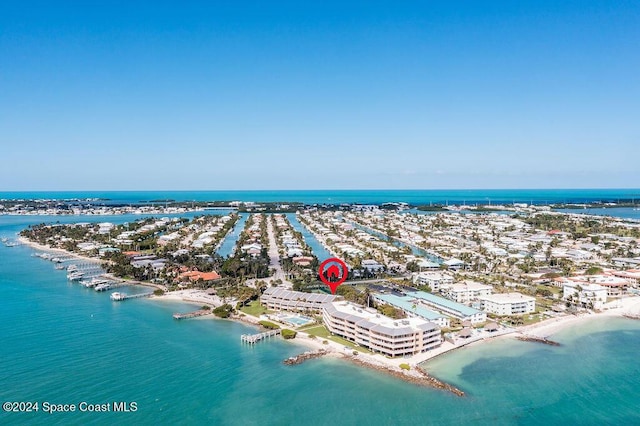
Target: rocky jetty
{"points": [[538, 340], [299, 359]]}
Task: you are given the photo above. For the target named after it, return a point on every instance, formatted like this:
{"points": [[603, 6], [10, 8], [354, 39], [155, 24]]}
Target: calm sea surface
{"points": [[65, 344], [489, 196]]}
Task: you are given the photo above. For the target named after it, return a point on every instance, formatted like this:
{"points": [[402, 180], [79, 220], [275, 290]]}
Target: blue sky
{"points": [[319, 95]]}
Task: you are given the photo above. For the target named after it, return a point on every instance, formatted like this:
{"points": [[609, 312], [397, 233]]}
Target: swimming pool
{"points": [[294, 320]]}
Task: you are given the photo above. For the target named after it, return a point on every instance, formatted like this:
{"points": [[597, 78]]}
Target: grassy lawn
{"points": [[543, 304], [321, 332], [254, 308]]}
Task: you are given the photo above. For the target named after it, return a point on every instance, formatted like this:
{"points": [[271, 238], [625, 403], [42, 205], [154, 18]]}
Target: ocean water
{"points": [[472, 196], [65, 344], [621, 212]]}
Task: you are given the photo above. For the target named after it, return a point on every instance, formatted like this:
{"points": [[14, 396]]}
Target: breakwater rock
{"points": [[538, 340], [299, 359]]}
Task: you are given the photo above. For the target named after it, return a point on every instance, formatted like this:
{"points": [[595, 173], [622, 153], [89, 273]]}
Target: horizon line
{"points": [[328, 189]]}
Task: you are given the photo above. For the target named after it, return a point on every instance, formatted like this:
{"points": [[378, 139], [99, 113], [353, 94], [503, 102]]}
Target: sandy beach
{"points": [[48, 249], [191, 296], [617, 308]]}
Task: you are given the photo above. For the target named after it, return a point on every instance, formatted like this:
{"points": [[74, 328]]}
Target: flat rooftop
{"points": [[508, 298], [405, 302], [372, 319], [283, 293], [470, 285], [441, 301]]}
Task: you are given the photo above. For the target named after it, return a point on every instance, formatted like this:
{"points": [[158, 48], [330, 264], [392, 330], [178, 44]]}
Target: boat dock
{"points": [[11, 243], [253, 338], [194, 314], [117, 297]]}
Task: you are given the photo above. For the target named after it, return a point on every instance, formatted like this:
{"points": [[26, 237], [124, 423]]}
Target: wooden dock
{"points": [[193, 314], [253, 338]]}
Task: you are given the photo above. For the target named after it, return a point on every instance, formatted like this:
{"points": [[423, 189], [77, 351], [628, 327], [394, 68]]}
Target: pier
{"points": [[253, 338], [193, 314], [118, 297]]}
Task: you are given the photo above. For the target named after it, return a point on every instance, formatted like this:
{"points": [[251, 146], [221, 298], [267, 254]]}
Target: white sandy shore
{"points": [[618, 308], [48, 249], [41, 247], [191, 296]]}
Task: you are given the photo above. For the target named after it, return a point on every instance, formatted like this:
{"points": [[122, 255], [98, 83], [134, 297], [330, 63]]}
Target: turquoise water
{"points": [[492, 196], [318, 249], [415, 250], [65, 344], [622, 212], [230, 240]]}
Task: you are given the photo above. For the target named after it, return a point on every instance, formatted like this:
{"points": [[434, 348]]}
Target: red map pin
{"points": [[333, 272]]}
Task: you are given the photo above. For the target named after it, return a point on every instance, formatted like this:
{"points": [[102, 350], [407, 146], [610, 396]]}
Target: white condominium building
{"points": [[281, 299], [467, 291], [435, 280], [379, 333], [586, 294], [508, 304]]}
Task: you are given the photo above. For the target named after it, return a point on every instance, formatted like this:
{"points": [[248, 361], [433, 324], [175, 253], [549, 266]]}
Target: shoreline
{"points": [[41, 247], [417, 374], [619, 308]]}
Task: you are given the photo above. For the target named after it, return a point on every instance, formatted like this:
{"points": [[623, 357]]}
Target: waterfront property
{"points": [[616, 286], [508, 304], [593, 295], [448, 307], [281, 299], [368, 328], [413, 309]]}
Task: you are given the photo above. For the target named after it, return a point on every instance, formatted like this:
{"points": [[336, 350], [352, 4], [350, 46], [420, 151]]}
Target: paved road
{"points": [[274, 256]]}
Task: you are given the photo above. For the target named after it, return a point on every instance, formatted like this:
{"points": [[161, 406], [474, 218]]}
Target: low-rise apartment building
{"points": [[379, 333]]}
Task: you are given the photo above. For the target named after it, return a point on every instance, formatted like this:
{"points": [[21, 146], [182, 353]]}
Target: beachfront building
{"points": [[467, 291], [616, 285], [587, 295], [435, 280], [413, 309], [448, 307], [281, 299], [508, 304], [379, 333]]}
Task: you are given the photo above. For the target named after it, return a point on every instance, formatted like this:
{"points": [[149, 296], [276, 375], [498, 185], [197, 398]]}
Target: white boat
{"points": [[93, 282], [103, 287], [75, 276], [59, 267], [116, 296]]}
